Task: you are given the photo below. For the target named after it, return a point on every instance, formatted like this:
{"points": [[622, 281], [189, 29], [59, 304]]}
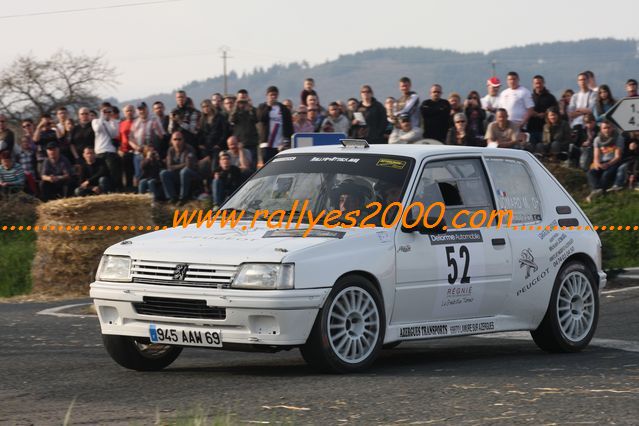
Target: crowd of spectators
{"points": [[207, 153]]}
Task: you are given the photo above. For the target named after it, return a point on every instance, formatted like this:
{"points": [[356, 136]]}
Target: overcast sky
{"points": [[157, 46]]}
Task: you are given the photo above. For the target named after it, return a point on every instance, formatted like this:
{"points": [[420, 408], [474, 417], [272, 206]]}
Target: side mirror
{"points": [[423, 229]]}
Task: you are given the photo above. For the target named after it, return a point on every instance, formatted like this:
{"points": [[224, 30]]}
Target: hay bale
{"points": [[18, 209], [66, 260]]}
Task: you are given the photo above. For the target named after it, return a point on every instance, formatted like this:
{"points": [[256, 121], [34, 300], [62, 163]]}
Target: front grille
{"points": [[178, 308], [197, 275]]}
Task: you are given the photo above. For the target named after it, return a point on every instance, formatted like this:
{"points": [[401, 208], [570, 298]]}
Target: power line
{"points": [[86, 9]]}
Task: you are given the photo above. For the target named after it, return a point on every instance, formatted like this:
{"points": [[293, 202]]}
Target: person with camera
{"points": [[46, 132], [184, 118], [274, 125], [106, 130]]}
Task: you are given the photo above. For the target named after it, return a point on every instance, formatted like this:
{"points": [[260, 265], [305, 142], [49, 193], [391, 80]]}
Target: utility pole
{"points": [[224, 50], [494, 65]]}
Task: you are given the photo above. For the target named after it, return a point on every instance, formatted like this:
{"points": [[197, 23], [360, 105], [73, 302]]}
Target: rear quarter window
{"points": [[514, 189]]}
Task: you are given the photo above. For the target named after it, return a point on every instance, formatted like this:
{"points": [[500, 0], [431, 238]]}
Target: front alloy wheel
{"points": [[348, 332]]}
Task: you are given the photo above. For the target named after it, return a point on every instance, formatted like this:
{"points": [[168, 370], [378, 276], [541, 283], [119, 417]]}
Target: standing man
{"points": [[490, 102], [162, 145], [275, 126], [631, 88], [244, 121], [517, 101], [543, 100], [127, 147], [407, 104], [185, 119], [7, 138], [581, 102], [82, 135], [435, 114], [145, 131], [106, 130]]}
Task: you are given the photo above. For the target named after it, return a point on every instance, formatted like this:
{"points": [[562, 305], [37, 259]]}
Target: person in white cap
{"points": [[489, 102]]}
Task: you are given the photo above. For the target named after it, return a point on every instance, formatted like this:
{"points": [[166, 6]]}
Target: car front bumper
{"points": [[254, 317]]}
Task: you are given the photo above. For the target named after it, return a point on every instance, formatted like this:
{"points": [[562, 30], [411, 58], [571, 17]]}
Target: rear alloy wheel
{"points": [[140, 354], [573, 312], [348, 332]]}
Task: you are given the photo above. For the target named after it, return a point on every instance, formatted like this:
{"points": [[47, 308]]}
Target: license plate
{"points": [[187, 336]]}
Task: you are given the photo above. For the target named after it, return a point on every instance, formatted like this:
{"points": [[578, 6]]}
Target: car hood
{"points": [[234, 246]]}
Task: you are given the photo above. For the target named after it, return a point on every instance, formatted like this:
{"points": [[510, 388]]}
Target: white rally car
{"points": [[341, 292]]}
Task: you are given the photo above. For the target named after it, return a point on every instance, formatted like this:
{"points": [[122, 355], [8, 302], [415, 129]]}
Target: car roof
{"points": [[417, 151]]}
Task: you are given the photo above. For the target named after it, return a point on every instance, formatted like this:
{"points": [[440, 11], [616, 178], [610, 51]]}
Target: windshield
{"points": [[343, 182]]}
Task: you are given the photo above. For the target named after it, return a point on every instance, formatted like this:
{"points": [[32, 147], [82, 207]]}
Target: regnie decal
{"points": [[278, 159], [528, 260], [336, 159], [456, 237], [299, 233]]}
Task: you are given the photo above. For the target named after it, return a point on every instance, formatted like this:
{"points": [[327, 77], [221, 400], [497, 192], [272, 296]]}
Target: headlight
{"points": [[265, 276], [114, 268]]}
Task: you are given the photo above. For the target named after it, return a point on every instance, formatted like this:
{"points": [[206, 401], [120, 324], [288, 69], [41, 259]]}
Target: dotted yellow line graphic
{"points": [[83, 228]]}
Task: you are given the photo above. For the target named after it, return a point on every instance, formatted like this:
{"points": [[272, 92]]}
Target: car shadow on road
{"points": [[470, 357]]}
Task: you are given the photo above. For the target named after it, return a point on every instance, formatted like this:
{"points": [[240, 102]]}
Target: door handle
{"points": [[499, 241]]}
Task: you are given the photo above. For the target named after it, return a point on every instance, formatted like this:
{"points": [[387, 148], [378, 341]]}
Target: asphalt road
{"points": [[48, 363]]}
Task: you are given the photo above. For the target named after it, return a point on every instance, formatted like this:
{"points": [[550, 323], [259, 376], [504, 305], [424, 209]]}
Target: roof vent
{"points": [[354, 143]]}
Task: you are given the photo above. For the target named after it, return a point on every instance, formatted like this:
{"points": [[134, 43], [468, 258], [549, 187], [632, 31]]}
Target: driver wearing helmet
{"points": [[387, 192], [350, 195]]}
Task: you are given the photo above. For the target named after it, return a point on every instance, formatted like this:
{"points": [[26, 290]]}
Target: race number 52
{"points": [[464, 256]]}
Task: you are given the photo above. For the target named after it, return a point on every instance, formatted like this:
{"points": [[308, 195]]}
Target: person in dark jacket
{"points": [[274, 126], [374, 114], [226, 179], [93, 175], [543, 100], [435, 114], [244, 121]]}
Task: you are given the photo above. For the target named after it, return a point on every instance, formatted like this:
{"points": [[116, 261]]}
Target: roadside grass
{"points": [[17, 250], [620, 247], [200, 416]]}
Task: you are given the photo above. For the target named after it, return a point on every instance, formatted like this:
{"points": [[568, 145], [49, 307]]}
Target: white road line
{"points": [[56, 311], [620, 290], [622, 345]]}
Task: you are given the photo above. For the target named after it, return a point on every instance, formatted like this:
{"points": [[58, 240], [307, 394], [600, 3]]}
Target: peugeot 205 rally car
{"points": [[385, 271]]}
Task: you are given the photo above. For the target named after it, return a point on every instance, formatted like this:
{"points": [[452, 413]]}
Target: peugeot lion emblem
{"points": [[180, 271], [528, 260]]}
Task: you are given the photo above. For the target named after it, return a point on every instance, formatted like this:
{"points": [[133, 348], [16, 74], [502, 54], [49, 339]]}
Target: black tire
{"points": [[138, 353], [551, 335], [320, 351]]}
